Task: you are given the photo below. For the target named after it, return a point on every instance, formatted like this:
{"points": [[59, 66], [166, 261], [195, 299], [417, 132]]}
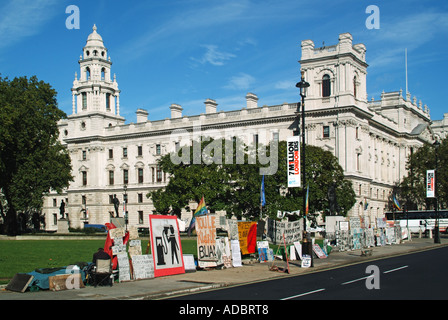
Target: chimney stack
{"points": [[252, 100], [210, 106], [176, 111]]}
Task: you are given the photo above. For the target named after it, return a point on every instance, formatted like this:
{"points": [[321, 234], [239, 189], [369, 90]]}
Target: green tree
{"points": [[412, 189], [32, 160], [234, 186]]}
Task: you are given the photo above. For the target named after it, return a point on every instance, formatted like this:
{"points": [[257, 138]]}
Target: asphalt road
{"points": [[417, 276]]}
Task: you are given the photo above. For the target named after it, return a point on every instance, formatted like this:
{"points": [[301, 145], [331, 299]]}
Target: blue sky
{"points": [[187, 51]]}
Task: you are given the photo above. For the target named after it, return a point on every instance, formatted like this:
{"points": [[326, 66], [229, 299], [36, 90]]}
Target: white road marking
{"points": [[396, 269], [303, 294], [348, 282]]}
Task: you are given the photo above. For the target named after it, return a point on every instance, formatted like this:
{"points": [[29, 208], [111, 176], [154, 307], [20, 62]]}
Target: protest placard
{"points": [[247, 235], [143, 266], [236, 254], [206, 241], [124, 271], [291, 230], [165, 245]]}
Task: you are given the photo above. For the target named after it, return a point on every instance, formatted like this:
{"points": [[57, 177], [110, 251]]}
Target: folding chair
{"points": [[102, 275]]}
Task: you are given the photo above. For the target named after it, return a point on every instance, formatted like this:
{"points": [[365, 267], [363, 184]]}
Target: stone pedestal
{"points": [[62, 226], [118, 222]]}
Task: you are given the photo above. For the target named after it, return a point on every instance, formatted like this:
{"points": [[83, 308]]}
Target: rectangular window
{"points": [[140, 197], [139, 151], [125, 176], [84, 155], [159, 174], [55, 203], [140, 175], [84, 100], [111, 199], [125, 152], [84, 178], [108, 101], [111, 177], [326, 131], [111, 153], [140, 217], [158, 150]]}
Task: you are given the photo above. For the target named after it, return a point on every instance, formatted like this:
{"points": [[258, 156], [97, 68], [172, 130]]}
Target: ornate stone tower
{"points": [[94, 91]]}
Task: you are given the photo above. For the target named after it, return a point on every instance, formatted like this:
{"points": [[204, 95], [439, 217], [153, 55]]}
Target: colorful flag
{"points": [[200, 211], [262, 195], [396, 203], [366, 204], [306, 202]]}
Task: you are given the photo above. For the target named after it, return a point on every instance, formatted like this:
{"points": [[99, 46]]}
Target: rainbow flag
{"points": [[396, 203], [306, 202], [200, 211]]}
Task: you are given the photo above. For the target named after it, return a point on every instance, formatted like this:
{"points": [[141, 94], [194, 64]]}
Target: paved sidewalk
{"points": [[159, 288]]}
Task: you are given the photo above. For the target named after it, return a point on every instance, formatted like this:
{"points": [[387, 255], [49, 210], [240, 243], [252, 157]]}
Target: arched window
{"points": [[326, 86], [87, 73], [354, 86], [103, 73]]}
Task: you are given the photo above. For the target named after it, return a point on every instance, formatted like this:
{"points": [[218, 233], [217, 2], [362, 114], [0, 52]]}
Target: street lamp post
{"points": [[125, 201], [436, 204], [303, 86]]}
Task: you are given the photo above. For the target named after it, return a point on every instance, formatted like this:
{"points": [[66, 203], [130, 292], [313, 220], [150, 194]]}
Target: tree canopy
{"points": [[32, 160], [412, 190], [234, 186]]}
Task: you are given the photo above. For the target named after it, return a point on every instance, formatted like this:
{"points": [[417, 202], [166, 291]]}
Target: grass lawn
{"points": [[23, 256]]}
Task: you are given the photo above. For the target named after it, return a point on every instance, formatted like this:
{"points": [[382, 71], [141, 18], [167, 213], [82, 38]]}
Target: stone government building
{"points": [[371, 139]]}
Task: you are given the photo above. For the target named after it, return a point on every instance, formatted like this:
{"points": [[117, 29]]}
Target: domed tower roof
{"points": [[94, 39]]}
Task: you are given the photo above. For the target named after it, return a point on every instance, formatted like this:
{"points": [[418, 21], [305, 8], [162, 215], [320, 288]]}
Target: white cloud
{"points": [[213, 56], [240, 81], [23, 18], [284, 85]]}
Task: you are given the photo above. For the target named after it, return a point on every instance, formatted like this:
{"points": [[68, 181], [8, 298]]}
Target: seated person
{"points": [[100, 254]]}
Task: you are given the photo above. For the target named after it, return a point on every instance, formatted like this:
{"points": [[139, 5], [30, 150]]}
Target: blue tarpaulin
{"points": [[41, 276]]}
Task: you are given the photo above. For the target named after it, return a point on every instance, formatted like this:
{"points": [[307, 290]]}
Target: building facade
{"points": [[371, 139]]}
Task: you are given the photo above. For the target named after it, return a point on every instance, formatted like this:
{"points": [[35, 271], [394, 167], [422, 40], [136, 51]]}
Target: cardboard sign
{"points": [[143, 266], [206, 240], [306, 261], [124, 270], [165, 245], [236, 254], [117, 233], [291, 230], [319, 252], [298, 247], [135, 248], [190, 266]]}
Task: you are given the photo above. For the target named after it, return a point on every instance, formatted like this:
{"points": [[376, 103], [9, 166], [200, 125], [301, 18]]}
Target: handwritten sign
{"points": [[135, 247], [236, 254], [117, 233], [124, 273], [143, 266], [291, 230], [206, 239]]}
